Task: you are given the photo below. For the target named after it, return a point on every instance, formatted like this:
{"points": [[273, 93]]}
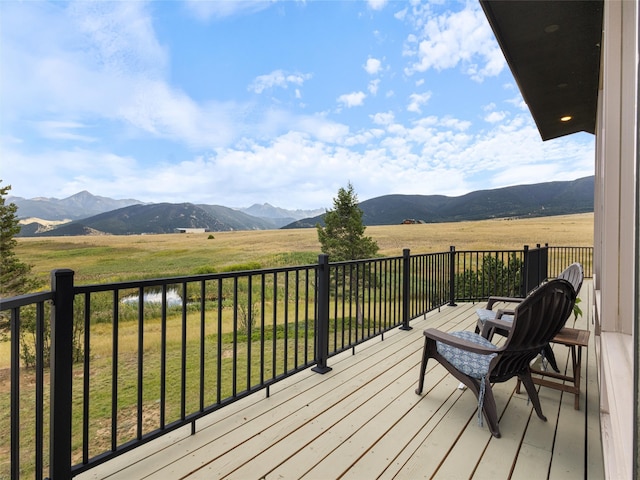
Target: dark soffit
{"points": [[553, 51]]}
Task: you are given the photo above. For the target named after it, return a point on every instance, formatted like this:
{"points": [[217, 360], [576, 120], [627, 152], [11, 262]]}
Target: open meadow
{"points": [[107, 258]]}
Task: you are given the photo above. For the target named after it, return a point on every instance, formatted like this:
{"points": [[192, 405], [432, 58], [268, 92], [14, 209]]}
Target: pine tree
{"points": [[342, 237], [15, 276]]}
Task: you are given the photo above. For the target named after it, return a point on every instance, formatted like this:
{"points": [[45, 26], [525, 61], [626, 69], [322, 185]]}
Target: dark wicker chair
{"points": [[477, 363], [499, 321]]}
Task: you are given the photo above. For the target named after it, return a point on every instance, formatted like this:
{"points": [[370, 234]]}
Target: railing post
{"points": [[15, 393], [61, 374], [406, 289], [322, 320], [544, 265], [524, 288], [452, 276], [539, 278]]}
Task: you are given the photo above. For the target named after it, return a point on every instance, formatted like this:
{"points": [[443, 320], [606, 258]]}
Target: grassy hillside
{"points": [[104, 258]]}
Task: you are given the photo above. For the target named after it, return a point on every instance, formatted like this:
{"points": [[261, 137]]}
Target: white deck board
{"points": [[363, 420]]}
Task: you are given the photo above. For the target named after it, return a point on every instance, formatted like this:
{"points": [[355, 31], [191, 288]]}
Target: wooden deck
{"points": [[363, 420]]}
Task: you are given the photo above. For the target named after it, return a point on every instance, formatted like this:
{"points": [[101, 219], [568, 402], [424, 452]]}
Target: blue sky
{"points": [[241, 102]]}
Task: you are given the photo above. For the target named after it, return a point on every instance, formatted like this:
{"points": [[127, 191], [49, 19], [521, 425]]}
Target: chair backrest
{"points": [[537, 319], [574, 274]]}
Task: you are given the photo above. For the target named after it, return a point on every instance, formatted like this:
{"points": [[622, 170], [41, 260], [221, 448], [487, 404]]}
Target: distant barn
{"points": [[191, 230]]}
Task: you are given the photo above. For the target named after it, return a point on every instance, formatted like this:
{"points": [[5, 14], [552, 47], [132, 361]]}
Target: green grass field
{"points": [[107, 258]]}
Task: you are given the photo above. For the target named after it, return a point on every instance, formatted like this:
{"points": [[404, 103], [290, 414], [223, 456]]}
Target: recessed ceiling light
{"points": [[566, 118], [551, 28]]}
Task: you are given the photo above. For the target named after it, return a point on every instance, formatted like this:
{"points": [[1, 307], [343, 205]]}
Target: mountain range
{"points": [[542, 199], [80, 205], [85, 214]]}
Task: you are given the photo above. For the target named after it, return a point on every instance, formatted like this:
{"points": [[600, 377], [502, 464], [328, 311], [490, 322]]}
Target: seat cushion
{"points": [[475, 365], [484, 315]]}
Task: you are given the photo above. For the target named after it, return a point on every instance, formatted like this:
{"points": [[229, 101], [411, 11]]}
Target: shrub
{"points": [[492, 277], [28, 325], [242, 266], [204, 269]]}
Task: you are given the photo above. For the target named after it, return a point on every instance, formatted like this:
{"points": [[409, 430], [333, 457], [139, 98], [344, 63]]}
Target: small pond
{"points": [[155, 296]]}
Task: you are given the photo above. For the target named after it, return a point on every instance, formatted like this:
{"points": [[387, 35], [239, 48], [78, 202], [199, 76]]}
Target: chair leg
{"points": [[547, 351], [533, 393], [423, 365], [490, 410]]}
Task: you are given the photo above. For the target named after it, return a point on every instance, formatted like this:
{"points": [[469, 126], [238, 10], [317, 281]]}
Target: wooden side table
{"points": [[575, 339]]}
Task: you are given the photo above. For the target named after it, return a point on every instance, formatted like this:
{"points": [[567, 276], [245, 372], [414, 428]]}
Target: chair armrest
{"points": [[490, 326], [445, 337], [502, 312], [493, 300], [498, 323]]}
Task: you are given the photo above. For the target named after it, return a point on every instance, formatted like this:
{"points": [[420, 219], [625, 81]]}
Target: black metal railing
{"points": [[478, 274], [25, 413], [560, 257], [132, 361], [207, 341], [427, 283]]}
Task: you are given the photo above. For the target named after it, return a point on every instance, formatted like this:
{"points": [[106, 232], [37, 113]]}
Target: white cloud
{"points": [[373, 66], [120, 37], [373, 86], [320, 128], [519, 103], [85, 48], [277, 78], [155, 108], [354, 99], [117, 75], [455, 39], [399, 159], [382, 118], [455, 123], [67, 170], [495, 117], [63, 130], [377, 4], [512, 153], [401, 14], [417, 100]]}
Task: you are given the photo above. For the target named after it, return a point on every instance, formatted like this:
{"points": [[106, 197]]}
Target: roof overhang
{"points": [[553, 51]]}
